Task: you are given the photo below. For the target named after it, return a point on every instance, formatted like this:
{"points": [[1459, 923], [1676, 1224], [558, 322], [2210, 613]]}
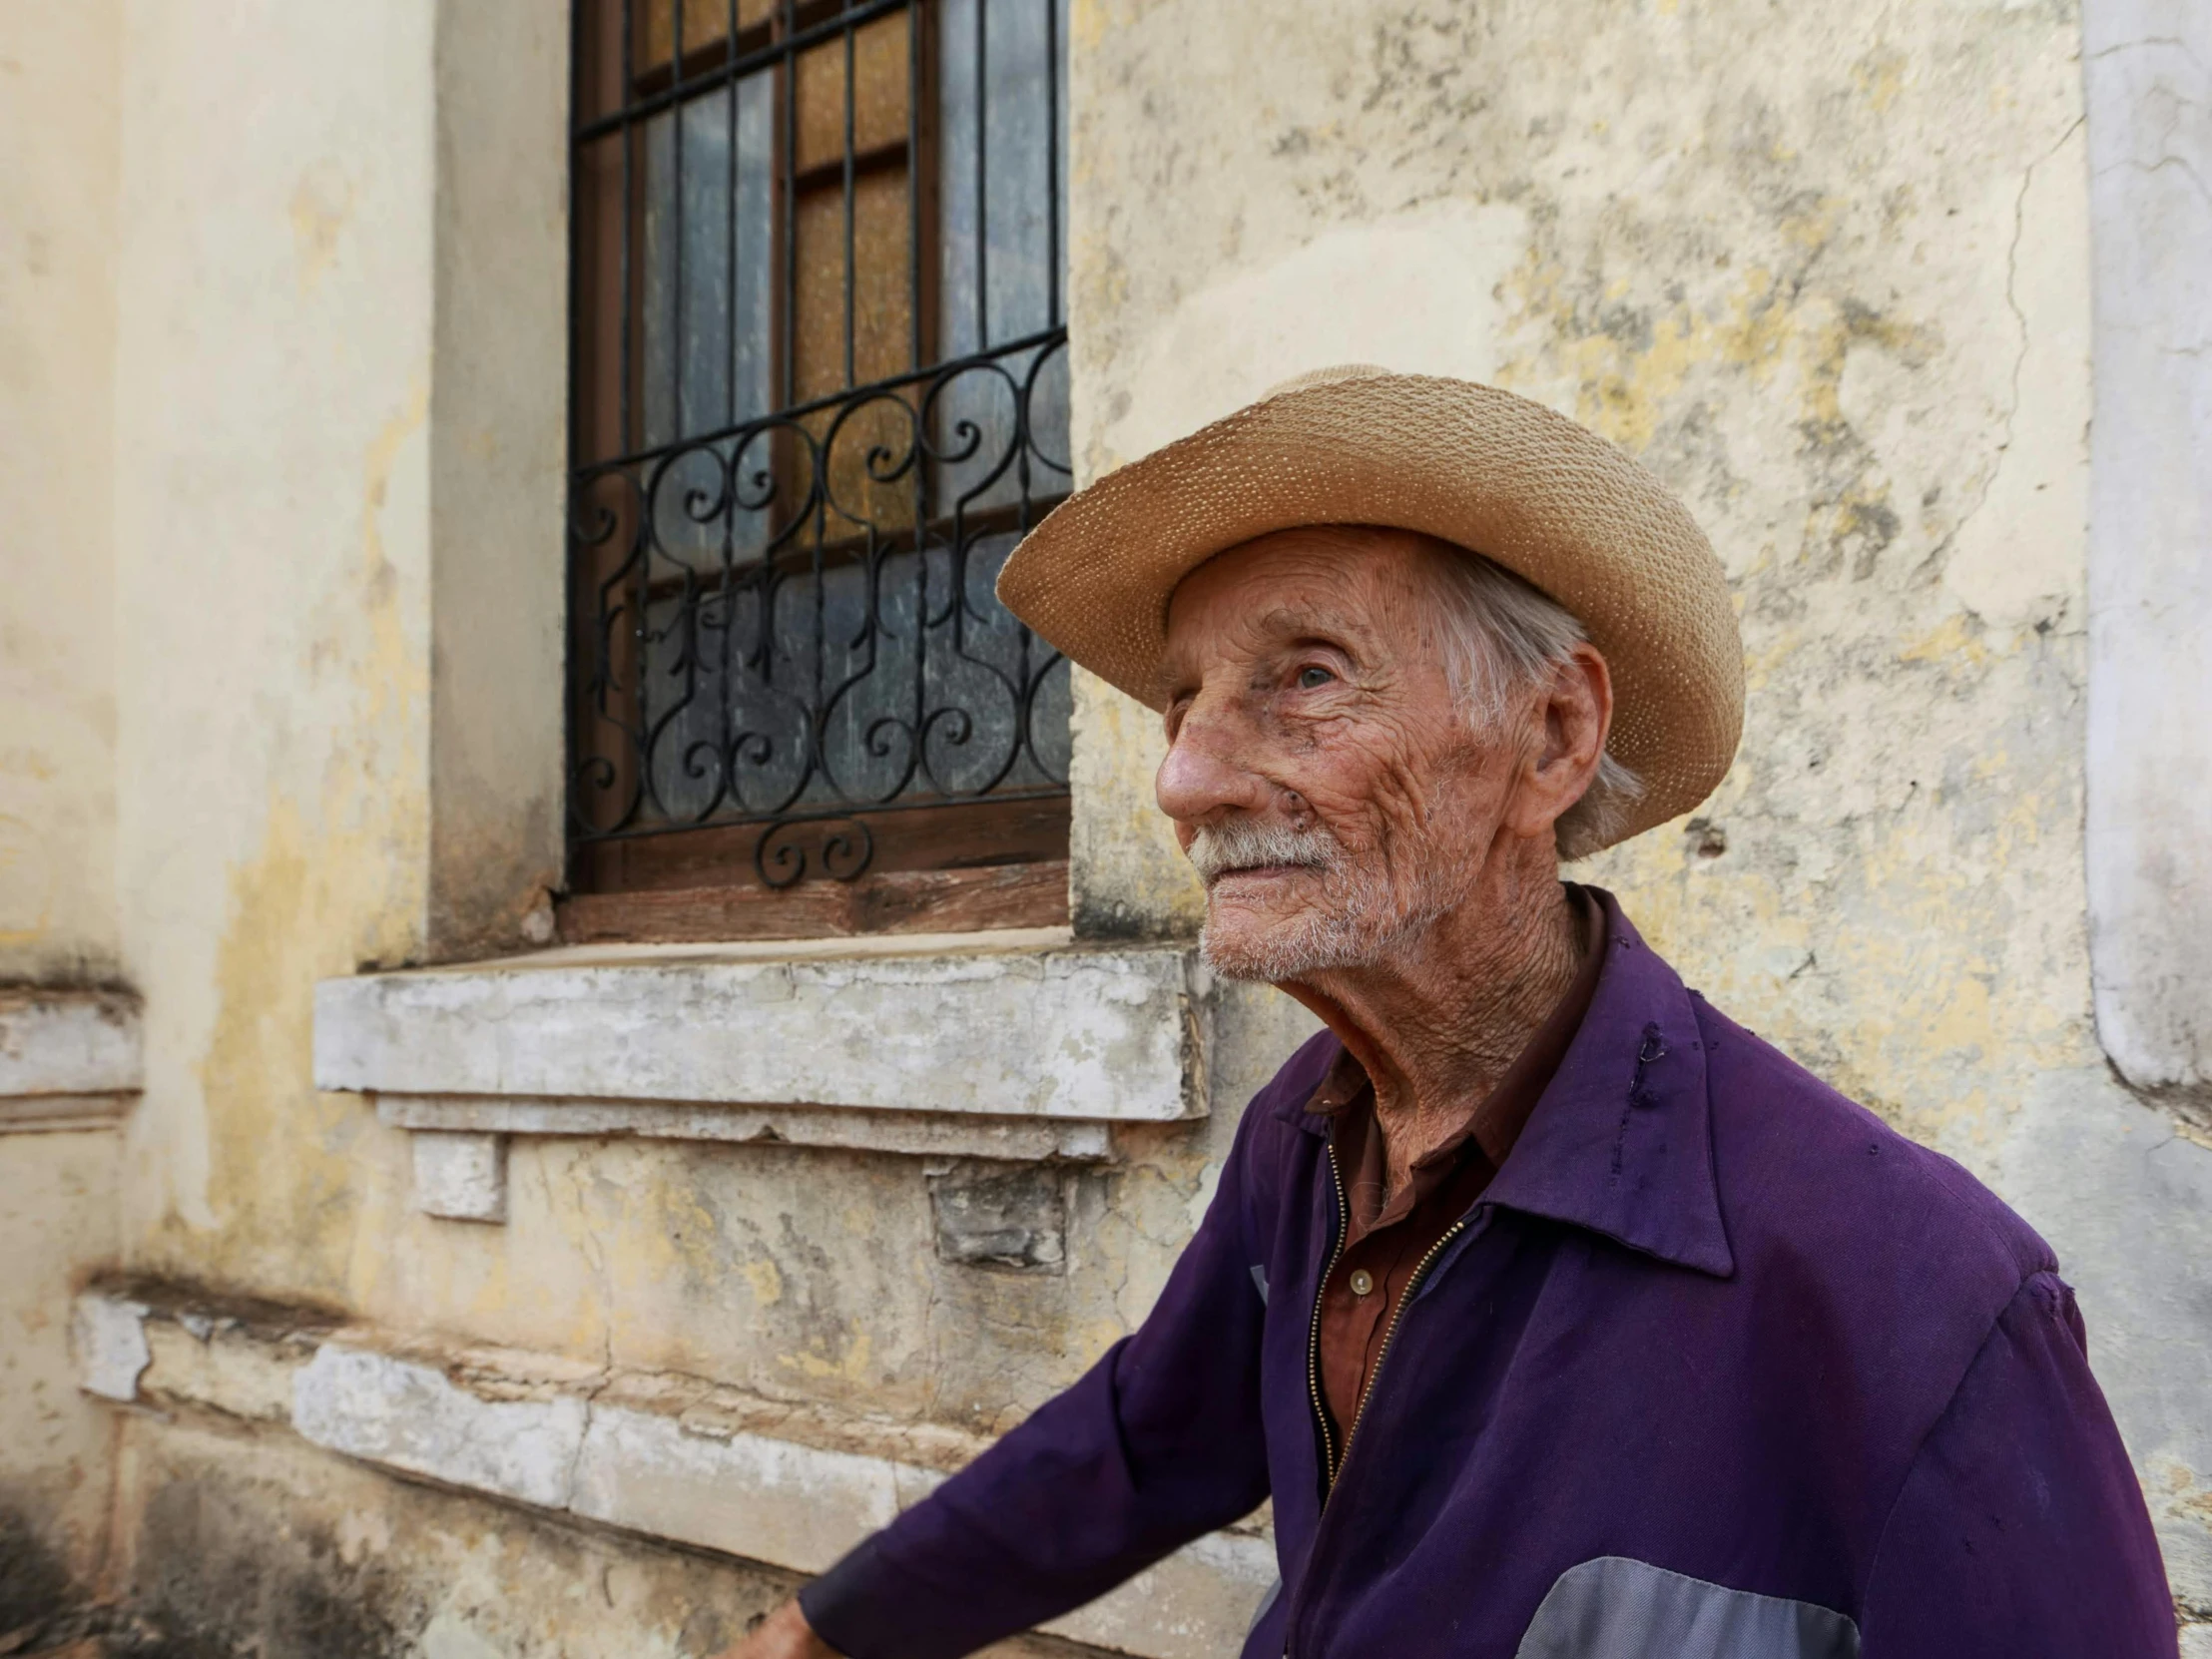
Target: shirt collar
{"points": [[1620, 1141], [1494, 1122]]}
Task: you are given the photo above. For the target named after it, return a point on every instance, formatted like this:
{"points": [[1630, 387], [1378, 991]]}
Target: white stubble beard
{"points": [[1353, 923]]}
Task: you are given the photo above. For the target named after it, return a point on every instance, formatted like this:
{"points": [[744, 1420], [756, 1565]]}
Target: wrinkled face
{"points": [[1321, 774]]}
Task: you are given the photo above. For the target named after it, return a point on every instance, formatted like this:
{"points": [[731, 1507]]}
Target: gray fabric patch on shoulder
{"points": [[1260, 1282], [1617, 1609]]}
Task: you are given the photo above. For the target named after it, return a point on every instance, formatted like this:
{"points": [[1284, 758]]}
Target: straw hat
{"points": [[1472, 465]]}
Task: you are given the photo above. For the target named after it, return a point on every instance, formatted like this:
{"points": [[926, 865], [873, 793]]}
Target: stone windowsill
{"points": [[1017, 1044], [69, 1059], [668, 1456]]}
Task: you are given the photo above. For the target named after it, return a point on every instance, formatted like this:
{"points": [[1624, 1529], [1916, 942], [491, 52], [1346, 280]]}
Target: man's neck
{"points": [[1438, 1024]]}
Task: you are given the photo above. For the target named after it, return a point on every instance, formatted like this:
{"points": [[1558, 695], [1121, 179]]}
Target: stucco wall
{"points": [[272, 384], [290, 419], [285, 557], [2148, 78], [498, 447], [58, 918], [57, 1222], [1826, 271], [243, 1539], [58, 114], [295, 537]]}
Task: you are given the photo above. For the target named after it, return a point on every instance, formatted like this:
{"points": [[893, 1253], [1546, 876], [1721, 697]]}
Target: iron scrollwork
{"points": [[790, 621]]}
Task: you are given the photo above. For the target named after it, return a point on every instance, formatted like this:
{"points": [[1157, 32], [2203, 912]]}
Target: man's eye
{"points": [[1312, 677]]}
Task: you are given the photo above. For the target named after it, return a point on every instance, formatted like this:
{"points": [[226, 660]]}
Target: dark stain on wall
{"points": [[223, 1574], [34, 1585]]}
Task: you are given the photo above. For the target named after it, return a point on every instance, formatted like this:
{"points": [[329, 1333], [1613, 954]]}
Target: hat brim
{"points": [[1479, 467]]}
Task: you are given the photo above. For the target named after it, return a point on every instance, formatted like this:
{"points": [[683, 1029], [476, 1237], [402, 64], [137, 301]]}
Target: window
{"points": [[821, 385]]}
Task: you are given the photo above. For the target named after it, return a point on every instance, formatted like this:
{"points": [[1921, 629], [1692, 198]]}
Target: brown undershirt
{"points": [[1384, 1244]]}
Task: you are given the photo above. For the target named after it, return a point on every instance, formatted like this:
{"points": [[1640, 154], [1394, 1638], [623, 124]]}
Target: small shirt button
{"points": [[1361, 1282]]}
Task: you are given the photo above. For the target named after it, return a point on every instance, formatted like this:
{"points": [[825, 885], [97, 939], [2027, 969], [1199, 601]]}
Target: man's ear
{"points": [[1574, 718]]}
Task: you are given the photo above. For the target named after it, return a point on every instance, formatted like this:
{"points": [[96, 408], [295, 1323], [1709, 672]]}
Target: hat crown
{"points": [[1520, 484], [1335, 374]]}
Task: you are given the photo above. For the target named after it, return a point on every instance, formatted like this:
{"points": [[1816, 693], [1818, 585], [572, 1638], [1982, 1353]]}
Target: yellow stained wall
{"points": [[278, 536], [273, 389], [58, 67], [341, 406], [1825, 269], [57, 920], [1829, 277]]}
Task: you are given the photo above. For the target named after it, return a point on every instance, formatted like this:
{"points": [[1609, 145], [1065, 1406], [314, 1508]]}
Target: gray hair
{"points": [[1501, 635]]}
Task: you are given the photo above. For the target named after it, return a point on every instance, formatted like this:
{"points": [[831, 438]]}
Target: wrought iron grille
{"points": [[821, 391]]}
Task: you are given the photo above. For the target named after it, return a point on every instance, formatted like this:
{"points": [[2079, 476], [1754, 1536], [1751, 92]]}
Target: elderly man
{"points": [[1557, 1314]]}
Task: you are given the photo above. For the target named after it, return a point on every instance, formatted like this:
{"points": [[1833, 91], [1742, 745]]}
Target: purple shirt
{"points": [[1719, 1365]]}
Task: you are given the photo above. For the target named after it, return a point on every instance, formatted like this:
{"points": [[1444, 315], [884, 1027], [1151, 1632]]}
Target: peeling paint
{"points": [[1824, 274], [1832, 288], [108, 1337]]}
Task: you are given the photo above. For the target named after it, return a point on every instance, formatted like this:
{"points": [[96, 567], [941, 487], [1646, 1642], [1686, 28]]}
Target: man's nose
{"points": [[1208, 768]]}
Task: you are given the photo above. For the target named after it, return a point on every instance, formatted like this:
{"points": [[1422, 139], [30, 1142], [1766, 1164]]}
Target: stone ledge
{"points": [[1010, 1025], [68, 1059], [672, 1458], [1012, 1045], [921, 1134]]}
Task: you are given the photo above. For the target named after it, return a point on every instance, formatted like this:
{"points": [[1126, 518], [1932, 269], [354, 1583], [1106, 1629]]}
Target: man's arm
{"points": [[2020, 1530], [1159, 1443]]}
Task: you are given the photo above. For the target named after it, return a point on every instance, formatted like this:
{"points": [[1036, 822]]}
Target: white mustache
{"points": [[1216, 851]]}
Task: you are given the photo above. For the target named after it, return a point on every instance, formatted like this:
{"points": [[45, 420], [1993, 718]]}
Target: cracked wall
{"points": [[1828, 274], [248, 1543]]}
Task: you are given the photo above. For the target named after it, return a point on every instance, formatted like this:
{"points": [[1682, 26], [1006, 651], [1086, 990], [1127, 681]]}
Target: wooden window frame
{"points": [[925, 862]]}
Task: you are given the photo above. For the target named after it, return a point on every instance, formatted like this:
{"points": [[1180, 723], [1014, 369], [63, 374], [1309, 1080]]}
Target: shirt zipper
{"points": [[1313, 1357], [1334, 1459], [1390, 1334], [1313, 1347]]}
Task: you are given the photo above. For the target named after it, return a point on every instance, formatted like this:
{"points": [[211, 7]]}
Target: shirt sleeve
{"points": [[1159, 1443], [2020, 1530]]}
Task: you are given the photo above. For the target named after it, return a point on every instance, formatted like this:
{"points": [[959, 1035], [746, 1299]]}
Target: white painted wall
{"points": [[2147, 70]]}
